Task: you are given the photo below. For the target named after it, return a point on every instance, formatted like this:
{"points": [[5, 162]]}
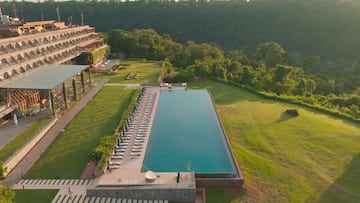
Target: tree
{"points": [[247, 76], [6, 194], [52, 102], [238, 56], [219, 71], [201, 68], [74, 89], [271, 53], [122, 41], [89, 76], [201, 52], [82, 78], [65, 95]]}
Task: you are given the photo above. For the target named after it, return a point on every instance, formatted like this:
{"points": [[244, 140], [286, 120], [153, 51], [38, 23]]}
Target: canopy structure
{"points": [[44, 78]]}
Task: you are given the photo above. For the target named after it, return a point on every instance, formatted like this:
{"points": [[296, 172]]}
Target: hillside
{"points": [[309, 158]]}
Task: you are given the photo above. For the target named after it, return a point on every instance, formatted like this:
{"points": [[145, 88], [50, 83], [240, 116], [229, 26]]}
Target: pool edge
{"points": [[202, 181]]}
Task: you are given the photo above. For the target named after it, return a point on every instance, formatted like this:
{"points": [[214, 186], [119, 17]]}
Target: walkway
{"points": [[126, 163], [72, 190], [25, 164]]}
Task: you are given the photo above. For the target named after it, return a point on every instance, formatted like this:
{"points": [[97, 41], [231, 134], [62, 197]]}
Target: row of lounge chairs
{"points": [[143, 127], [134, 133]]}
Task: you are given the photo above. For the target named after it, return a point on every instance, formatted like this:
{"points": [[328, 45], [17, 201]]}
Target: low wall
{"points": [[12, 161], [219, 182], [172, 194]]}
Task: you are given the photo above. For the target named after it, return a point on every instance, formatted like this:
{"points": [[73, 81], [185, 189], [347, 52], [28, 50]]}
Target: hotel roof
{"points": [[44, 78]]}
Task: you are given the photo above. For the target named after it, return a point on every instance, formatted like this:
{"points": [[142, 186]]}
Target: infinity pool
{"points": [[186, 136]]}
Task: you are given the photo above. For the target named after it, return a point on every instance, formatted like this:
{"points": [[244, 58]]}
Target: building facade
{"points": [[26, 46], [47, 43]]}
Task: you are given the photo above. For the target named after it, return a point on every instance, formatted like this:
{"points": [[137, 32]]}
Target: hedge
{"points": [[106, 147]]}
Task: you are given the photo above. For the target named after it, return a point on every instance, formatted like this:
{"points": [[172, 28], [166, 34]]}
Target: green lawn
{"points": [[68, 155], [309, 158], [22, 139], [149, 72], [38, 196]]}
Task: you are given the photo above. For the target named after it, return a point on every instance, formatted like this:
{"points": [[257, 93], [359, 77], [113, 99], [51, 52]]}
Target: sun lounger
{"points": [[113, 166], [117, 157], [121, 147], [114, 163], [118, 151], [139, 138]]}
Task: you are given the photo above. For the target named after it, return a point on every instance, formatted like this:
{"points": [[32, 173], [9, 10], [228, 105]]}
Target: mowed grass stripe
{"points": [[310, 158], [69, 154], [149, 72]]}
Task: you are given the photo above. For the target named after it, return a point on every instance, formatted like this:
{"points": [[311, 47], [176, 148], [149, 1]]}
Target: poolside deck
{"points": [[127, 163]]}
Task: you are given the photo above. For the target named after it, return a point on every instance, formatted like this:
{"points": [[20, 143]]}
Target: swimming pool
{"points": [[186, 136]]}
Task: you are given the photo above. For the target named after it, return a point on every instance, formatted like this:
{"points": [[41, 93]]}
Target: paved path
{"points": [[73, 191], [25, 164], [41, 184]]}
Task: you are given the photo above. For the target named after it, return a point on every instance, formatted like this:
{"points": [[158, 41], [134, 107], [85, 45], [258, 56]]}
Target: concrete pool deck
{"points": [[129, 172]]}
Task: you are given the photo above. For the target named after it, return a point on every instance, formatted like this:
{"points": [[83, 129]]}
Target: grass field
{"points": [[309, 158], [69, 154], [22, 139], [38, 196], [149, 72]]}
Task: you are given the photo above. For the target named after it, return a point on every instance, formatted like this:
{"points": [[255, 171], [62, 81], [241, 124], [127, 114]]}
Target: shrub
{"points": [[293, 112]]}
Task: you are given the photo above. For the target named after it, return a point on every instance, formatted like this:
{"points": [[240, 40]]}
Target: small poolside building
{"points": [[50, 87]]}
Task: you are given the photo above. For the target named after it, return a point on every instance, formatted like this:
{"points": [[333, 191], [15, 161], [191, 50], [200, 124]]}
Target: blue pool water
{"points": [[186, 135]]}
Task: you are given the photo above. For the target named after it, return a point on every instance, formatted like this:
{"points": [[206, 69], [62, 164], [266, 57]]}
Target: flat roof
{"points": [[43, 78]]}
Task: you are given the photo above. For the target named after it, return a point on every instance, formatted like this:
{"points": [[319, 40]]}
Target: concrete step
{"points": [[75, 198], [58, 182]]}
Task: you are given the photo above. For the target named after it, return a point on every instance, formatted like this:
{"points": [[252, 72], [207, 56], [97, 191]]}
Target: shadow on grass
{"points": [[284, 117], [347, 187]]}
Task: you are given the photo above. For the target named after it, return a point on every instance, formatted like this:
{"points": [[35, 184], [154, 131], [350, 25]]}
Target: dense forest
{"points": [[268, 68], [310, 49], [328, 28]]}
